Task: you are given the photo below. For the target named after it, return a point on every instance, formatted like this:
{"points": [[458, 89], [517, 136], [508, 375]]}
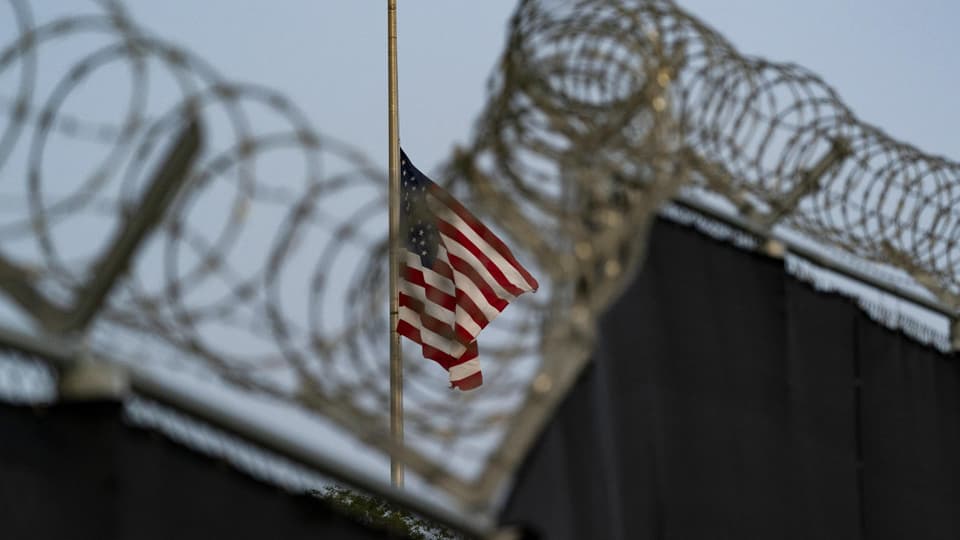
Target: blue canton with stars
{"points": [[417, 225]]}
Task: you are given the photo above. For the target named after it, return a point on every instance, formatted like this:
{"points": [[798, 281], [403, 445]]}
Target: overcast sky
{"points": [[894, 62]]}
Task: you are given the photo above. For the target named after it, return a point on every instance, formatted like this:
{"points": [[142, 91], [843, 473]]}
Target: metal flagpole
{"points": [[396, 358]]}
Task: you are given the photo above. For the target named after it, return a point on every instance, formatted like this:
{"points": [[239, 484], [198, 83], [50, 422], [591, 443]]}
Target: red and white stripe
{"points": [[473, 279]]}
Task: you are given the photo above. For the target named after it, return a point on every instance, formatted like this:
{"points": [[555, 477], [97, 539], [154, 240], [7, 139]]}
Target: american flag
{"points": [[456, 276]]}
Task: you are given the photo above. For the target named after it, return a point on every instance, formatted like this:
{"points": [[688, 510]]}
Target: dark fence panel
{"points": [[730, 400], [78, 471]]}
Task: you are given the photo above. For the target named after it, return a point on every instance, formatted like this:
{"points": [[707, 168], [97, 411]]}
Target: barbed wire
{"points": [[601, 110], [269, 270], [265, 271], [585, 78]]}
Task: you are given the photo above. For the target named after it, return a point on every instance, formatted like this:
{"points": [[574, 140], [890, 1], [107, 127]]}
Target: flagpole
{"points": [[396, 359]]}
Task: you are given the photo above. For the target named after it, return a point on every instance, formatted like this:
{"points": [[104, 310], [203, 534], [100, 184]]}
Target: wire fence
{"points": [[266, 269]]}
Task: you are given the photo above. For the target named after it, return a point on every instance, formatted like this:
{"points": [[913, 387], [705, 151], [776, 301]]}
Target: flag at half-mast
{"points": [[456, 276]]}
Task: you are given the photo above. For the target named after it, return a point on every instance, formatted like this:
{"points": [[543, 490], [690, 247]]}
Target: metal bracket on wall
{"points": [[168, 179], [954, 333], [18, 284], [719, 180], [809, 182]]}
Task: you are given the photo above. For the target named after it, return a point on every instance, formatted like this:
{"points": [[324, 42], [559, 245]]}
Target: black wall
{"points": [[78, 471], [726, 400], [730, 400]]}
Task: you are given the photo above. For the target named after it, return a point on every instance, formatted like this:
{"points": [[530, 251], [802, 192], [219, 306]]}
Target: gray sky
{"points": [[894, 62], [330, 57]]}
